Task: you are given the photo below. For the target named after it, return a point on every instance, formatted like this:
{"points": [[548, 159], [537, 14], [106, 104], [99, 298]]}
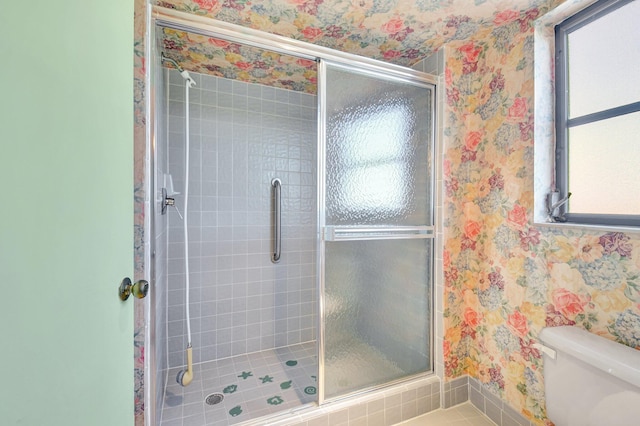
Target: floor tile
{"points": [[460, 415]]}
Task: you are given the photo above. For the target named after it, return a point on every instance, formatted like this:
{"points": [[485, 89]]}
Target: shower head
{"points": [[184, 73]]}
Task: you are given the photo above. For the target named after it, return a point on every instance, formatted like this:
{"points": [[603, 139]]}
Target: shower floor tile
{"points": [[253, 385]]}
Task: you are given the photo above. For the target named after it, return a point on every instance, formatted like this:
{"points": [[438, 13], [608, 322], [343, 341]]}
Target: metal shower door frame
{"points": [[330, 233]]}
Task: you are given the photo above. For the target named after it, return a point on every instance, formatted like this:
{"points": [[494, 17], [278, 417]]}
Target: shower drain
{"points": [[214, 398]]}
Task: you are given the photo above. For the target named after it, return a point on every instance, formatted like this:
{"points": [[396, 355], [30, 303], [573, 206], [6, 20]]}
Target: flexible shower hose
{"points": [[186, 213]]}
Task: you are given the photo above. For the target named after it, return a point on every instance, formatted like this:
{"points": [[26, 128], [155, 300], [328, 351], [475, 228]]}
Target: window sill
{"points": [[585, 227]]}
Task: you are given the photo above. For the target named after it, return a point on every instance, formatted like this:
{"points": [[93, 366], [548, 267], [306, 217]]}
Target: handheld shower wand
{"points": [[185, 377]]}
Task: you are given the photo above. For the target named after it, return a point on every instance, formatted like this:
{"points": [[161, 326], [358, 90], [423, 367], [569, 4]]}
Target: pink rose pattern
{"points": [[568, 303], [508, 305], [518, 323]]}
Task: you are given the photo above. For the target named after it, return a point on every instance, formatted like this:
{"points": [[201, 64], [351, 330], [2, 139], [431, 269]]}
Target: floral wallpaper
{"points": [[141, 205], [221, 58], [506, 279], [398, 32]]}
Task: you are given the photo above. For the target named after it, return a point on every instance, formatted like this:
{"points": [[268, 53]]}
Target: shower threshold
{"points": [[254, 385]]}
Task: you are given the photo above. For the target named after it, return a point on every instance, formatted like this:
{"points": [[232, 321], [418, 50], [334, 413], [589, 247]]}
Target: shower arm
{"points": [[184, 73], [172, 62]]}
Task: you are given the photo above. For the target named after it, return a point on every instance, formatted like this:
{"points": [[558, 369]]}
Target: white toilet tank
{"points": [[592, 381]]}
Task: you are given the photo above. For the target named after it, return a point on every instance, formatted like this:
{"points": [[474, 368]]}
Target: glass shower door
{"points": [[376, 230]]}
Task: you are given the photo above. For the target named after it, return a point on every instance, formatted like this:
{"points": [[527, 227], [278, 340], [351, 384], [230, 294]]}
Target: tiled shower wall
{"points": [[242, 136]]}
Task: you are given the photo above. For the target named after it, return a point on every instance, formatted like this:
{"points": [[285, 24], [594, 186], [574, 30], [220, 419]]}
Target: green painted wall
{"points": [[66, 173]]}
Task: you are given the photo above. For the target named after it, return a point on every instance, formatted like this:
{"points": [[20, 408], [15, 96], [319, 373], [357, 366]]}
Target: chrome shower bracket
{"points": [[166, 201]]}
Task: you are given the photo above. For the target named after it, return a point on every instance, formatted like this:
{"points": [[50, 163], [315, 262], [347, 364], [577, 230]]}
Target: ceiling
{"points": [[397, 31]]}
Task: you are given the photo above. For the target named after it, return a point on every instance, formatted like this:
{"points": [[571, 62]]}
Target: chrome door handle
{"points": [[276, 184], [139, 289]]}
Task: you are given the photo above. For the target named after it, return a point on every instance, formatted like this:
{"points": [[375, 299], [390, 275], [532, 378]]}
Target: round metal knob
{"points": [[139, 289]]}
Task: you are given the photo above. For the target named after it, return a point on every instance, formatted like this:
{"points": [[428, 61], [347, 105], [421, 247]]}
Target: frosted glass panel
{"points": [[378, 168], [378, 151], [377, 312], [603, 165], [604, 56]]}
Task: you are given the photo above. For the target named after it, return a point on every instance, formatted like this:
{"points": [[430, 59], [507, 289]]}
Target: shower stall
{"points": [[310, 224]]}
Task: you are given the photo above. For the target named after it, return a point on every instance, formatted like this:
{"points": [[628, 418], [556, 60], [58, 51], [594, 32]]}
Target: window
{"points": [[598, 116]]}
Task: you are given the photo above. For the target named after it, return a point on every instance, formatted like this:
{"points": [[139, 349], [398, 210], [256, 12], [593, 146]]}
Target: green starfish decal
{"points": [[275, 400], [245, 374], [266, 379]]}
